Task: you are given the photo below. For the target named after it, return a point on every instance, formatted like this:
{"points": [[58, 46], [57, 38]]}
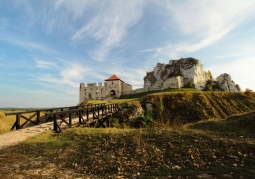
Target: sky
{"points": [[47, 48]]}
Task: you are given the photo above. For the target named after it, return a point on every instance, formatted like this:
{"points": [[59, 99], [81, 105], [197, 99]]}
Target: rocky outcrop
{"points": [[225, 82], [176, 74], [131, 112]]}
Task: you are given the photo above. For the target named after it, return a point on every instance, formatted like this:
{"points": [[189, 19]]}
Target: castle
{"points": [[113, 87], [176, 74]]}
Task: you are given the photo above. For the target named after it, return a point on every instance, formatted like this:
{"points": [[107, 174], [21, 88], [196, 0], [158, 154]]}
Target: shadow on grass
{"points": [[132, 153], [241, 125]]}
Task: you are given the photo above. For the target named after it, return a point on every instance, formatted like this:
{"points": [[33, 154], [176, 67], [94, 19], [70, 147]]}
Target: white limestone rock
{"points": [[148, 107], [186, 69], [225, 82]]}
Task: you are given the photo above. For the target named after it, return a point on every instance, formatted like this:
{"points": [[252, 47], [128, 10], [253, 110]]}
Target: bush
{"points": [[248, 92], [208, 87], [145, 119], [189, 85]]}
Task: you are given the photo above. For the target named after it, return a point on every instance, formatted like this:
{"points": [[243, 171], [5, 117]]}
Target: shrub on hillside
{"points": [[189, 85], [208, 86], [145, 119], [248, 92]]}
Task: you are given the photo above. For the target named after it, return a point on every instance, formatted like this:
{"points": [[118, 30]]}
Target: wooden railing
{"points": [[35, 116], [94, 116]]}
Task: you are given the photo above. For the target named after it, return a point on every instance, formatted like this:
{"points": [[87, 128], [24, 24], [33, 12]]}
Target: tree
{"points": [[209, 74], [208, 86], [189, 85], [90, 97]]}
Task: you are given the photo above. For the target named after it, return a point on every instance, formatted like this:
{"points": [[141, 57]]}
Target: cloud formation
{"points": [[49, 47], [203, 23], [110, 25]]}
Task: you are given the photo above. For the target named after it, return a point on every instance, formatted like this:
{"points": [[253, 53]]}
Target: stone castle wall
{"points": [[114, 88]]}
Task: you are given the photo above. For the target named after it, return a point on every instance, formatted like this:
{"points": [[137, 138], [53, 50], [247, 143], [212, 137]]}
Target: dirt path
{"points": [[16, 136]]}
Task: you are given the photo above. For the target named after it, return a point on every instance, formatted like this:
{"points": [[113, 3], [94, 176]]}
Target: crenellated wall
{"points": [[114, 88]]}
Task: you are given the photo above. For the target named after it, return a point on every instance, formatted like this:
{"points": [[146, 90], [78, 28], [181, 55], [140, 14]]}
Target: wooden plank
{"points": [[29, 119]]}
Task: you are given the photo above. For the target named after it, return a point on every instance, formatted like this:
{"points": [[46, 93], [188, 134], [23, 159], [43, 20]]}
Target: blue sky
{"points": [[48, 47]]}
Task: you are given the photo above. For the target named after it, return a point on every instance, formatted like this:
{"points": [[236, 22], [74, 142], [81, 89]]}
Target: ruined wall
{"points": [[101, 92], [126, 88], [82, 94], [97, 91]]}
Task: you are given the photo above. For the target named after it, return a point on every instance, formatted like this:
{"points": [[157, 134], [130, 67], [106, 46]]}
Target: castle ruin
{"points": [[176, 74], [113, 87]]}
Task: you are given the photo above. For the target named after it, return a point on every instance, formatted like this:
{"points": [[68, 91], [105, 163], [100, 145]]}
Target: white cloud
{"points": [[76, 7], [68, 77], [110, 26], [25, 43], [45, 64], [203, 23]]}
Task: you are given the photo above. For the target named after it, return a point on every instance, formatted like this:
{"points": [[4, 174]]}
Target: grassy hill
{"points": [[176, 107], [205, 149], [204, 142], [180, 108]]}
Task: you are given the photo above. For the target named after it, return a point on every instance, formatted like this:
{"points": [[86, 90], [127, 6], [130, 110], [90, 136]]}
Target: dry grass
{"points": [[6, 122], [219, 149]]}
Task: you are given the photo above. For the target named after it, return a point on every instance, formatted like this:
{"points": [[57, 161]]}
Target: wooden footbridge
{"points": [[98, 115]]}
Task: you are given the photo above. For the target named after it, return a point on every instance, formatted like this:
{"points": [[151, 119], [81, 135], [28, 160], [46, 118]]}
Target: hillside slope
{"points": [[179, 108], [206, 149]]}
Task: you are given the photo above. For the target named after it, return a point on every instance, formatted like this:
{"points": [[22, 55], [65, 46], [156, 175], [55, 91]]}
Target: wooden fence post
{"points": [[17, 121], [79, 112], [87, 114], [70, 119], [93, 110], [55, 123], [38, 117]]}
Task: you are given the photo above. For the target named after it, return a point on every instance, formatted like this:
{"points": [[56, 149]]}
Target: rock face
{"points": [[225, 82], [176, 74]]}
